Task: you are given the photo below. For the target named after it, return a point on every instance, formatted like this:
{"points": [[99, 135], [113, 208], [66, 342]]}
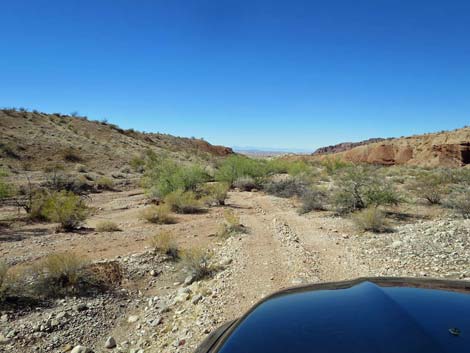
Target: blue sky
{"points": [[287, 74]]}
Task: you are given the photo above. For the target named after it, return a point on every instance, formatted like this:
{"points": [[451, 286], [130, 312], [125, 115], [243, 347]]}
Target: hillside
{"points": [[33, 140], [345, 146], [444, 149]]}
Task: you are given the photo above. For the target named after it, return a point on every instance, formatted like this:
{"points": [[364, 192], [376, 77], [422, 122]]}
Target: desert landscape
{"points": [[115, 240]]}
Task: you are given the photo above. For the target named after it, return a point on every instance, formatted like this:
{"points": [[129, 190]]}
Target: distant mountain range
{"points": [[268, 151]]}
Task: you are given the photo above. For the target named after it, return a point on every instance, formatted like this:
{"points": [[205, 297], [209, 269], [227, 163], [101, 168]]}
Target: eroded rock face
{"points": [[445, 149]]}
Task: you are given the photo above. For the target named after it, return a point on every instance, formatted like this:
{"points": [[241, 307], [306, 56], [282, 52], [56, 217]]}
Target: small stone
{"points": [[81, 349], [133, 318], [110, 343], [196, 299]]}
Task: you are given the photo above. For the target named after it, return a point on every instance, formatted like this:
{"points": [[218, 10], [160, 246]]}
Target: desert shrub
{"points": [[3, 277], [313, 199], [357, 188], [332, 165], [370, 219], [235, 167], [107, 226], [58, 180], [231, 225], [181, 201], [245, 183], [165, 243], [431, 186], [286, 188], [6, 190], [459, 201], [163, 176], [72, 156], [215, 193], [61, 274], [104, 183], [160, 214], [138, 164], [197, 262], [66, 208], [282, 166]]}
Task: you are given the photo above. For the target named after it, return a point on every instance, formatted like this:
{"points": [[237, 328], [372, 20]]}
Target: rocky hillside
{"points": [[445, 149], [33, 140], [345, 146]]}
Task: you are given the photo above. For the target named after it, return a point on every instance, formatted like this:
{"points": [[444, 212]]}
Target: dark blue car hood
{"points": [[366, 315]]}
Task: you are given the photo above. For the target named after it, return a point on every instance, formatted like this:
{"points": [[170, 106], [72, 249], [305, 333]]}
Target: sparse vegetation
{"points": [[460, 203], [370, 219], [104, 183], [3, 277], [197, 262], [215, 193], [72, 156], [245, 183], [61, 274], [164, 243], [160, 214], [180, 201], [107, 226], [231, 225], [236, 167], [6, 190], [313, 199], [286, 188], [431, 186]]}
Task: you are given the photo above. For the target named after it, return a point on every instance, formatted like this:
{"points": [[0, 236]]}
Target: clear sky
{"points": [[288, 74]]}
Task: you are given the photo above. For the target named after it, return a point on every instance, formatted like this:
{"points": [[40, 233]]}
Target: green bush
{"points": [[66, 208], [235, 167], [164, 243], [357, 188], [181, 201], [163, 176], [332, 165], [370, 219], [160, 214], [313, 199]]}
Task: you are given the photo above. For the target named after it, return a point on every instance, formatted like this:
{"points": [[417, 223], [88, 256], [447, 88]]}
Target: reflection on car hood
{"points": [[377, 316]]}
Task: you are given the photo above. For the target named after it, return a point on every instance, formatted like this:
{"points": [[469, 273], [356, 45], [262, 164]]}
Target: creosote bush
{"points": [[370, 219], [235, 167], [66, 208], [165, 243], [107, 226], [197, 262], [431, 186], [160, 214], [180, 201]]}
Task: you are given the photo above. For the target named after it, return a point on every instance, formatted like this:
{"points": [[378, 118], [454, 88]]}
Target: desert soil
{"points": [[156, 311]]}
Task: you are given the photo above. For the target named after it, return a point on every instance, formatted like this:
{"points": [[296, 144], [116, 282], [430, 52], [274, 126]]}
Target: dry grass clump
{"points": [[181, 201], [104, 183], [371, 219], [216, 193], [460, 203], [286, 188], [231, 225], [165, 243], [62, 274], [245, 183], [158, 214], [313, 199], [197, 262], [107, 226]]}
